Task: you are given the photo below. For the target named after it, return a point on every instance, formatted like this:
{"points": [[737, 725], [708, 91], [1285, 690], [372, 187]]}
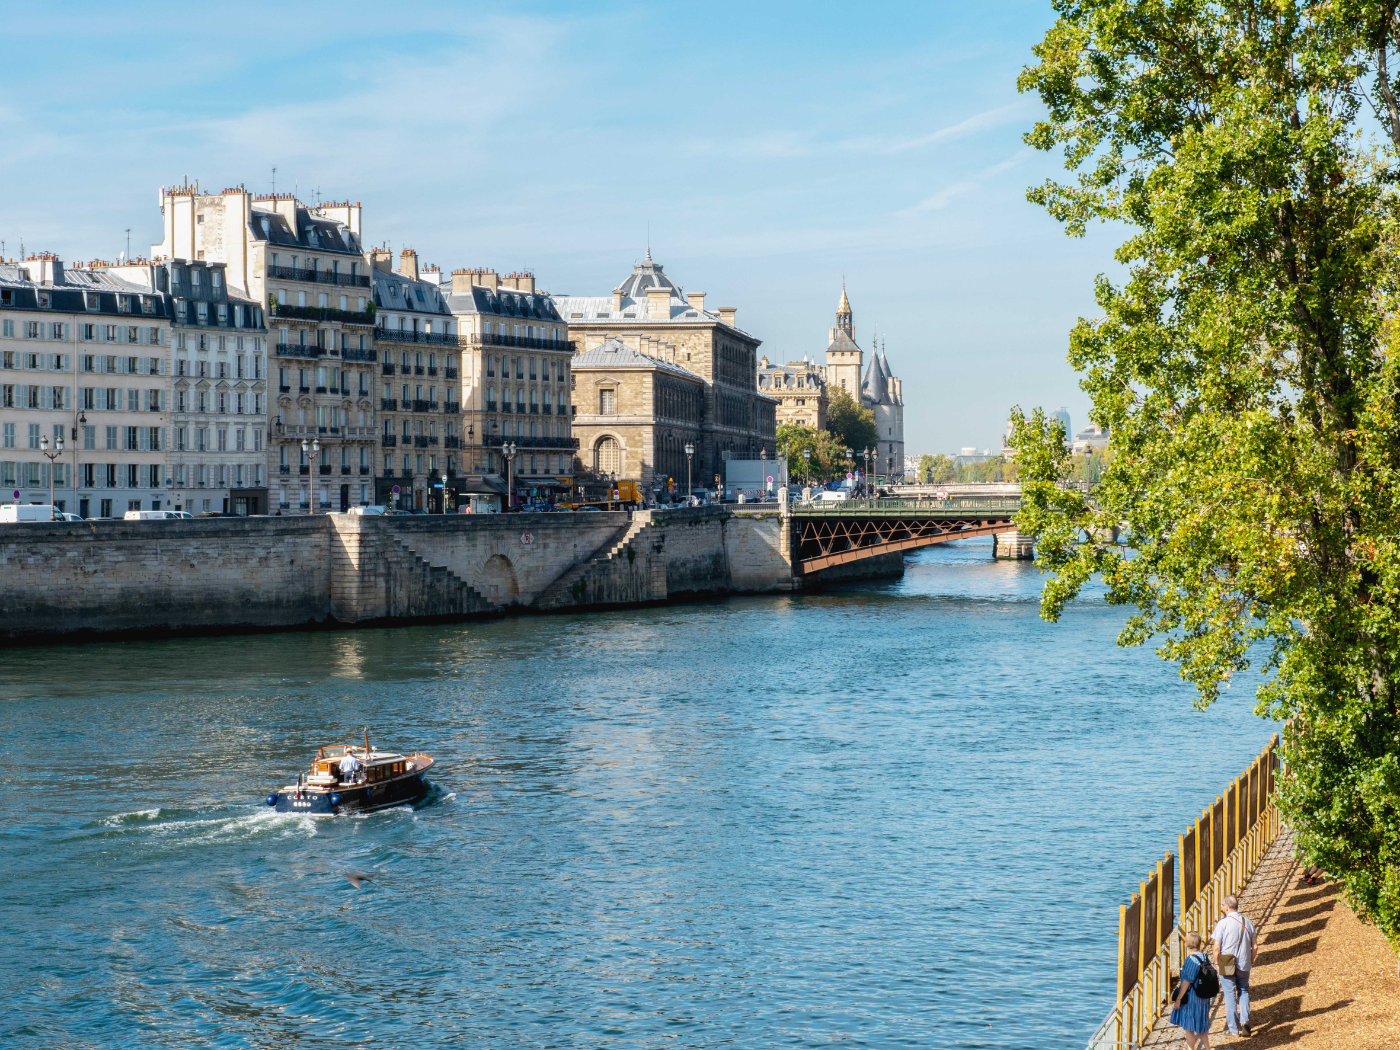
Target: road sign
{"points": [[395, 490], [527, 538], [16, 493], [941, 494]]}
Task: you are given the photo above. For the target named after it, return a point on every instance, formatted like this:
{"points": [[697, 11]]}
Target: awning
{"points": [[483, 486]]}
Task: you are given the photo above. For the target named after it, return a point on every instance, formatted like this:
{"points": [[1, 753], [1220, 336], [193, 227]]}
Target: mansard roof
{"points": [[313, 232], [506, 302], [617, 354]]}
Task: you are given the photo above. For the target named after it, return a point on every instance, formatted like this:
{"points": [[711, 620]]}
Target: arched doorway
{"points": [[497, 582], [607, 456]]}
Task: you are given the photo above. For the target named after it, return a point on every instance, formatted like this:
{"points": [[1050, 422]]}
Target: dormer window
{"points": [[91, 301], [194, 279], [217, 279], [267, 231], [43, 300]]}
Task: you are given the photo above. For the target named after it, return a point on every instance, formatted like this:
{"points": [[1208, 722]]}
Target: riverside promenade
{"points": [[1323, 979]]}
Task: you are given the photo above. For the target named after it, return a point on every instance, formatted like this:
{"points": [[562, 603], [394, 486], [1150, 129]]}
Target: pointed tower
{"points": [[843, 357]]}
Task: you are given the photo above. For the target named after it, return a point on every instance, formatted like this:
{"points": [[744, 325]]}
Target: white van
{"points": [[15, 512], [154, 515], [372, 509]]}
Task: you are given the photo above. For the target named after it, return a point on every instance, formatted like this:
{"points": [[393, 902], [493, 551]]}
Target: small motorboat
{"points": [[347, 777]]}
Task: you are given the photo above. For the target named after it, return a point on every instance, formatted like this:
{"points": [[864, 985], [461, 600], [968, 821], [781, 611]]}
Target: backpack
{"points": [[1207, 982]]}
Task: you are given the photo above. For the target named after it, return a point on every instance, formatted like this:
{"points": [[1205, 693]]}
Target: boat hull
{"points": [[349, 798]]}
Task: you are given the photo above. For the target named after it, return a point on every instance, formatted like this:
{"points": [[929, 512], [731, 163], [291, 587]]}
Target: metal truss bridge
{"points": [[827, 534]]}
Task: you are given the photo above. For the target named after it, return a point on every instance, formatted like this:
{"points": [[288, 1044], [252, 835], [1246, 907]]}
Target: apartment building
{"points": [[420, 412], [306, 265], [217, 401], [514, 389], [85, 364]]}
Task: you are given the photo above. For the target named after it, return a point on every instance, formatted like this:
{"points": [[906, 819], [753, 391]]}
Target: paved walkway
{"points": [[1323, 981]]}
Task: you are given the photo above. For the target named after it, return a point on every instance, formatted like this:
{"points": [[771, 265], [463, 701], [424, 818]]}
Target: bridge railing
{"points": [[953, 505]]}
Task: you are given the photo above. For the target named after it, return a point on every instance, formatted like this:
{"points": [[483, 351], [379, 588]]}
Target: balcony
{"points": [[424, 406], [407, 472], [392, 335], [345, 470], [318, 276], [304, 389], [364, 471], [490, 406], [388, 440], [450, 373], [320, 390], [534, 409], [452, 442], [388, 404], [325, 468], [549, 410], [525, 342], [284, 469], [388, 369], [432, 371], [420, 442], [300, 350], [303, 470], [497, 441], [452, 407], [321, 313], [418, 370], [505, 406], [283, 389], [360, 355]]}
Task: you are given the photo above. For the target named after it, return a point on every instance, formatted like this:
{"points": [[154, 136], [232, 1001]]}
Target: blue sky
{"points": [[772, 148]]}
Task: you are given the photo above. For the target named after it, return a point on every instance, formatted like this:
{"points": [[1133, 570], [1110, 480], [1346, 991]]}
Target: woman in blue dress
{"points": [[1189, 1011]]}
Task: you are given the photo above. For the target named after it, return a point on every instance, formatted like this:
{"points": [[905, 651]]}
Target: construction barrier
{"points": [[1214, 859]]}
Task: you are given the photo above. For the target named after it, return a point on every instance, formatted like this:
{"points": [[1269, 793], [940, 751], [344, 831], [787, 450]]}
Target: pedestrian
{"points": [[1235, 947], [1191, 1010]]}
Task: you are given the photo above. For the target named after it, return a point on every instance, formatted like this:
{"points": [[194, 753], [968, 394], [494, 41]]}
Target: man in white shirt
{"points": [[1234, 935], [349, 765]]}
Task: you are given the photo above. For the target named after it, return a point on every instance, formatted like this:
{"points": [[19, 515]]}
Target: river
{"points": [[891, 814]]}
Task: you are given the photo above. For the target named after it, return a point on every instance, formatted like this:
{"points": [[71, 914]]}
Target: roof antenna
{"points": [[274, 180], [128, 242], [648, 242]]}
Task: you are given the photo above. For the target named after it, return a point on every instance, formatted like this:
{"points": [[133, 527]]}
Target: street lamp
{"points": [[850, 461], [867, 473], [51, 456], [807, 466], [310, 450], [508, 450], [82, 422], [763, 471], [689, 488]]}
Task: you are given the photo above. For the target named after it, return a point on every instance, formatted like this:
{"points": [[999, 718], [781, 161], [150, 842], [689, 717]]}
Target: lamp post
{"points": [[850, 462], [508, 450], [310, 449], [51, 456], [689, 489], [867, 473], [807, 466], [82, 422], [763, 471]]}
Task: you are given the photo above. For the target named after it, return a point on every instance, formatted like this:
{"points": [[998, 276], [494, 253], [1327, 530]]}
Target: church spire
{"points": [[843, 313]]}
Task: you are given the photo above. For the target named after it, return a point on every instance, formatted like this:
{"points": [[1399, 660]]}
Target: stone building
{"points": [[84, 357], [799, 387], [651, 315], [420, 412], [218, 387], [878, 389], [514, 387], [636, 414], [308, 266]]}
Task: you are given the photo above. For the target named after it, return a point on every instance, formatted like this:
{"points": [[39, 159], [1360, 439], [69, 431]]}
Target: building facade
{"points": [[515, 385], [420, 411], [653, 316], [875, 387], [307, 266], [217, 398], [799, 387], [85, 359], [637, 413]]}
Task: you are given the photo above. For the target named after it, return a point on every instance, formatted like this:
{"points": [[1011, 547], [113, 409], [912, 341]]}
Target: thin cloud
{"points": [[986, 119], [948, 193]]}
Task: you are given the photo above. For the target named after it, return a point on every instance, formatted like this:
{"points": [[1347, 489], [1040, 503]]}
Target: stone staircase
{"points": [[612, 575], [407, 585]]}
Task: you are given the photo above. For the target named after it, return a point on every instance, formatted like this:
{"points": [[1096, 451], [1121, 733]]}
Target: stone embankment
{"points": [[106, 577]]}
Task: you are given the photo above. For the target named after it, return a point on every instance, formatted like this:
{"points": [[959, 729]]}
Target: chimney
{"points": [[525, 281], [696, 300], [408, 263], [380, 258], [488, 279], [659, 304], [726, 314], [461, 282], [45, 268], [617, 300]]}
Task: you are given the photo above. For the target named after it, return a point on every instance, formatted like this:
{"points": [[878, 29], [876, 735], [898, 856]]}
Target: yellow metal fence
{"points": [[1215, 858]]}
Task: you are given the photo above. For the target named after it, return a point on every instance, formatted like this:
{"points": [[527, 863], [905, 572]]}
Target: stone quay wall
{"points": [[151, 577]]}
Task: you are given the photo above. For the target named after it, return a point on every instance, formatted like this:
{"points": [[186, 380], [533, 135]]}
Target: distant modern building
{"points": [[1062, 414], [1090, 438], [799, 387]]}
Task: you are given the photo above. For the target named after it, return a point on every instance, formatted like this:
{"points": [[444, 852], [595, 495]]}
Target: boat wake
{"points": [[204, 827]]}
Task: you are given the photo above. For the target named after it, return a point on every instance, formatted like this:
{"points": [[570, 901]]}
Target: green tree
{"points": [[933, 469], [850, 422], [1248, 370], [828, 455]]}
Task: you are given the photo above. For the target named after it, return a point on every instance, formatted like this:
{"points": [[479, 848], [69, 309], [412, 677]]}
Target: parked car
{"points": [[831, 497], [154, 515], [18, 512], [374, 509]]}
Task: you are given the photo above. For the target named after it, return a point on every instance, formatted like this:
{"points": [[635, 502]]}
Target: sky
{"points": [[768, 152]]}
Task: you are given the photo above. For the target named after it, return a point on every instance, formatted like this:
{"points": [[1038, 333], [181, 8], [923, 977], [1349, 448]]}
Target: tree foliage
{"points": [[1248, 372], [828, 454], [852, 424]]}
